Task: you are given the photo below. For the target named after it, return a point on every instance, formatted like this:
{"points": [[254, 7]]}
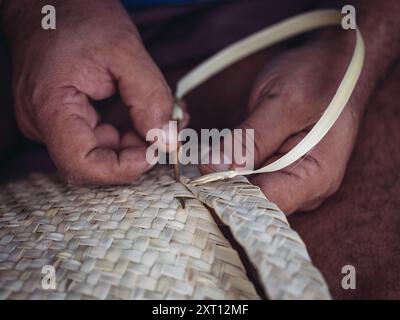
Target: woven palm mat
{"points": [[153, 239]]}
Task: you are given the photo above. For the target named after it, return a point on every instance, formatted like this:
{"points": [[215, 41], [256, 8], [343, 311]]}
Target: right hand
{"points": [[287, 100], [95, 51]]}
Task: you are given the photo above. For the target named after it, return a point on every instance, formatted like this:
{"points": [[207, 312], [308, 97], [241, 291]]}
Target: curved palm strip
{"points": [[267, 37], [276, 251]]}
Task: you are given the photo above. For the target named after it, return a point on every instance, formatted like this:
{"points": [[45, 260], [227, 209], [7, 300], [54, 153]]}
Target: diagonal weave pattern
{"points": [[277, 251], [128, 242], [153, 239]]}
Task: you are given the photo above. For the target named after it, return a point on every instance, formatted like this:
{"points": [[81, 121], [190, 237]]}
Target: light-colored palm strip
{"points": [[261, 228], [138, 242], [128, 242], [260, 40]]}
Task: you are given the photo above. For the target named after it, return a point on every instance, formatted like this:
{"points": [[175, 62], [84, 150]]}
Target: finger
{"points": [[143, 89], [309, 181], [270, 125], [131, 139], [26, 124], [295, 188], [80, 148], [107, 136]]}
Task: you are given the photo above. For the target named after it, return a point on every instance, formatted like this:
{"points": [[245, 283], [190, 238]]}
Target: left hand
{"points": [[95, 52]]}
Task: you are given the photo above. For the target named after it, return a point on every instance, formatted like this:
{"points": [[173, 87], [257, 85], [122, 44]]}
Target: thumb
{"points": [[143, 89]]}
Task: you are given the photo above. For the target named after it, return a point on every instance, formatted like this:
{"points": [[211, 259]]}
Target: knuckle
{"points": [[26, 132], [310, 169], [124, 45], [25, 125], [332, 174], [156, 93], [265, 89], [330, 181], [334, 184], [21, 122], [316, 178]]}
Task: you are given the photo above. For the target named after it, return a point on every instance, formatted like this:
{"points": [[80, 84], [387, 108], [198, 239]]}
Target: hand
{"points": [[95, 51], [287, 100]]}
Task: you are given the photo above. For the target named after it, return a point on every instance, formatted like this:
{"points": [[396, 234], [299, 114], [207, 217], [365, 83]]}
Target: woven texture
{"points": [[277, 251], [153, 239], [131, 242]]}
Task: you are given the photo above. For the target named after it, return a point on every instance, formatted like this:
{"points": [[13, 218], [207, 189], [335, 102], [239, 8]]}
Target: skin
{"points": [[292, 92], [72, 68]]}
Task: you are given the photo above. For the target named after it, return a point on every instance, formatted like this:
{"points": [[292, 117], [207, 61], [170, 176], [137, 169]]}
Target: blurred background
{"points": [[359, 225]]}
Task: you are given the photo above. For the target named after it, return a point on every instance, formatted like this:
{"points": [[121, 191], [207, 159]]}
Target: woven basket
{"points": [[153, 239]]}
